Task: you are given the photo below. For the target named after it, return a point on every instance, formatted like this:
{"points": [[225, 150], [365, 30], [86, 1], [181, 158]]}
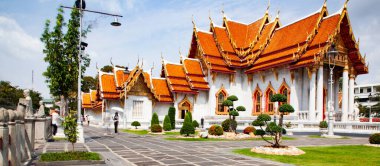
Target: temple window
{"points": [[269, 105], [257, 97], [284, 90], [221, 95], [183, 107], [137, 109]]}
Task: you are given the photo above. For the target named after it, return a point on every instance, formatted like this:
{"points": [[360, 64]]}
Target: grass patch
{"points": [[137, 132], [59, 138], [176, 133], [65, 156], [318, 136], [325, 155], [219, 139]]}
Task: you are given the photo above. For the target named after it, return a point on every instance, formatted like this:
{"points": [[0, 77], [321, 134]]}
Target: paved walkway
{"points": [[129, 149]]}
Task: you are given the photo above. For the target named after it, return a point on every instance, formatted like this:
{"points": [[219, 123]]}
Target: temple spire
{"points": [[151, 70], [111, 62], [192, 20], [267, 11], [345, 4], [162, 58]]}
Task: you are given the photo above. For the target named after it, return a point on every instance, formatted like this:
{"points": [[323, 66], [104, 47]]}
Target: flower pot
{"points": [[323, 131]]}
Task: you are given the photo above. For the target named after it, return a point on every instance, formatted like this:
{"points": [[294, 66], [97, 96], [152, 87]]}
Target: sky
{"points": [[151, 28]]}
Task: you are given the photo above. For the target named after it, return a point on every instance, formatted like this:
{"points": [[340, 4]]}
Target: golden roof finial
{"points": [[111, 61], [151, 70], [138, 60], [96, 65], [192, 20], [345, 4], [278, 14], [162, 58], [224, 15], [209, 17], [267, 11], [142, 62], [325, 3]]}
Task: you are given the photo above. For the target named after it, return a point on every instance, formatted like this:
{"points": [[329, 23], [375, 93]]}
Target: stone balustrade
{"points": [[18, 135]]}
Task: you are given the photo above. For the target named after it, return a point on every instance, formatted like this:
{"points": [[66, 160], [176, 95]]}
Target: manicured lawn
{"points": [[176, 133], [217, 139], [64, 156], [59, 138], [326, 155], [318, 136], [138, 132]]}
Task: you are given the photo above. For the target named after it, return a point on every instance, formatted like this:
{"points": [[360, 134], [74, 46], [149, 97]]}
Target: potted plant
{"points": [[323, 128]]}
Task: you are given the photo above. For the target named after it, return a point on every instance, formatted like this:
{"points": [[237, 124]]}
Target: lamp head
{"points": [[116, 22]]}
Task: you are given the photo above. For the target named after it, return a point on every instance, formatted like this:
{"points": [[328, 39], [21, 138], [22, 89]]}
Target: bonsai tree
{"points": [[232, 112], [323, 124], [70, 128], [136, 123], [171, 114], [187, 127], [274, 130], [154, 120], [167, 124], [195, 124]]}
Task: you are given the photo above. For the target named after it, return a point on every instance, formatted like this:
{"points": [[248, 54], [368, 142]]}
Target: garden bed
{"points": [[138, 132], [286, 150], [325, 155], [70, 158]]}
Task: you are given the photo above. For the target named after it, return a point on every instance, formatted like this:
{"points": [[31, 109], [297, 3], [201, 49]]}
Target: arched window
{"points": [[221, 95], [268, 94], [257, 101], [183, 107], [285, 90]]}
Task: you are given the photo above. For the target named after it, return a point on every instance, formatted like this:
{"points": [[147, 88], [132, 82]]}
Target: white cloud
{"points": [[14, 41]]}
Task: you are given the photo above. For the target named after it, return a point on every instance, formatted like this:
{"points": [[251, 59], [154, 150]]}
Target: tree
{"points": [[70, 128], [154, 119], [61, 54], [195, 124], [167, 125], [187, 127], [107, 69], [274, 130], [136, 123], [88, 83], [229, 103], [171, 114]]}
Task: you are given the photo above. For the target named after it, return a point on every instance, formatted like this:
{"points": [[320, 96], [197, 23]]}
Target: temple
{"points": [[252, 61]]}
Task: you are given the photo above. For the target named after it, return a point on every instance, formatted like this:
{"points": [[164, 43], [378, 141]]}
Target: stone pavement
{"points": [[129, 149]]}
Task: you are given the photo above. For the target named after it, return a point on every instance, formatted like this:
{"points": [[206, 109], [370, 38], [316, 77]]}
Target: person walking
{"points": [[116, 121], [88, 120], [54, 121]]}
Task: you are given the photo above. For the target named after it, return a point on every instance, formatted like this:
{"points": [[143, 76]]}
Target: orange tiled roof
{"points": [[194, 73], [161, 90], [242, 34], [108, 86], [86, 100], [176, 77], [120, 76]]}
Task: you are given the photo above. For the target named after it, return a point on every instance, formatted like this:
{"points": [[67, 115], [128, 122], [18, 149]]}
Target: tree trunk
{"points": [[72, 144]]}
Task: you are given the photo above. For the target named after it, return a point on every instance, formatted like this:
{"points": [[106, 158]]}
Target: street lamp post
{"points": [[370, 107], [331, 55]]}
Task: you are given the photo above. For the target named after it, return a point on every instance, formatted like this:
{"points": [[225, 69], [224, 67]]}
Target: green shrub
{"points": [[374, 138], [154, 119], [187, 127], [258, 123], [191, 116], [136, 123], [249, 129], [156, 128], [195, 124], [240, 108], [323, 124], [234, 113], [278, 98], [264, 117], [70, 128], [171, 114], [226, 125], [227, 103], [286, 108], [232, 98], [260, 132], [167, 124], [273, 127], [288, 125], [215, 130]]}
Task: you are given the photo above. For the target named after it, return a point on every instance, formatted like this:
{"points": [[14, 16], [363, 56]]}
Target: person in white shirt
{"points": [[54, 121]]}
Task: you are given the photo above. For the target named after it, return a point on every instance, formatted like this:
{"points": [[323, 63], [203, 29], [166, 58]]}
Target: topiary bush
{"points": [[215, 130], [278, 98], [156, 128], [249, 129], [154, 119], [187, 127], [374, 138], [195, 124], [323, 124], [171, 114], [167, 125], [136, 123], [226, 125]]}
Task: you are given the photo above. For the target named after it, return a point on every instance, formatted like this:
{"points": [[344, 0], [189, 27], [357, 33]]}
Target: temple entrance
{"points": [[184, 106]]}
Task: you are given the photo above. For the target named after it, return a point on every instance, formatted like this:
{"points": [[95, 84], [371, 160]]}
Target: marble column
{"points": [[12, 157], [312, 95], [320, 93], [336, 94], [351, 96], [345, 94]]}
